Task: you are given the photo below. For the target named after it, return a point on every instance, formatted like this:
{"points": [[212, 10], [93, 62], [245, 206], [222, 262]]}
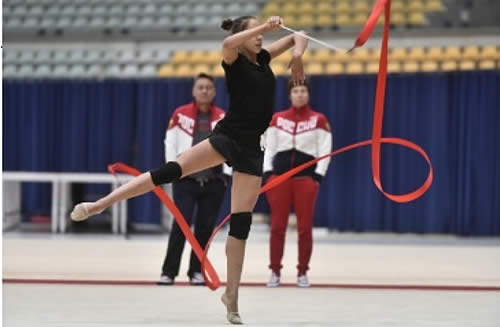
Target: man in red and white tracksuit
{"points": [[295, 136], [201, 192]]}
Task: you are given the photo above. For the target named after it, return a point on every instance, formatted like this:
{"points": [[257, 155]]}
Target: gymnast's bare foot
{"points": [[232, 310], [84, 210]]}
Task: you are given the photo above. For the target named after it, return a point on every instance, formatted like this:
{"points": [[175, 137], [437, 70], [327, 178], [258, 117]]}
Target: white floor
{"points": [[366, 259]]}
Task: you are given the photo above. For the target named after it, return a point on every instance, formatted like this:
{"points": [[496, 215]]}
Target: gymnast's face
{"points": [[253, 45], [203, 91], [299, 96]]}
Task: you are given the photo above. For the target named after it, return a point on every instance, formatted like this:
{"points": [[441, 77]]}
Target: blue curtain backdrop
{"points": [[82, 126]]}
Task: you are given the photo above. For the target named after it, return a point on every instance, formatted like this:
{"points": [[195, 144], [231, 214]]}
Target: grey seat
{"points": [[146, 55], [99, 10], [84, 10], [42, 71], [25, 71], [60, 57], [30, 23], [48, 22], [183, 9], [97, 22], [126, 56], [26, 56], [130, 21], [166, 9], [95, 70], [43, 57], [60, 71], [54, 10], [36, 11], [9, 71], [113, 22], [77, 71], [77, 56], [13, 23], [63, 22], [164, 22], [130, 70], [148, 71], [150, 9], [69, 10], [217, 9], [93, 56], [146, 22], [10, 56], [117, 10], [114, 70], [80, 22]]}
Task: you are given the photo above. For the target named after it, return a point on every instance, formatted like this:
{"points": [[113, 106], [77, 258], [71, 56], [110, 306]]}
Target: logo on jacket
{"points": [[302, 126], [186, 123]]}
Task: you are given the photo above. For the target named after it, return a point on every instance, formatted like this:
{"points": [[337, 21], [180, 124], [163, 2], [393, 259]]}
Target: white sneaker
{"points": [[303, 281], [197, 279], [274, 281], [165, 280]]}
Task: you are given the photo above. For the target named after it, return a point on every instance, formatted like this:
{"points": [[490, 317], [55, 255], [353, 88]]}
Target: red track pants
{"points": [[302, 193]]}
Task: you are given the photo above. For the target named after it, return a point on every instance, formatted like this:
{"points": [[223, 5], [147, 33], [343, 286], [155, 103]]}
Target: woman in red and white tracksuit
{"points": [[295, 136]]}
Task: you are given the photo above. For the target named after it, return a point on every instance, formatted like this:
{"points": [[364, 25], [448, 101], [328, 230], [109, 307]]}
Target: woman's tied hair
{"points": [[237, 25]]}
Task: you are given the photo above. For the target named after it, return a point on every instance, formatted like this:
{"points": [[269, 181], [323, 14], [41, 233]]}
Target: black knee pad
{"points": [[239, 226], [168, 173]]}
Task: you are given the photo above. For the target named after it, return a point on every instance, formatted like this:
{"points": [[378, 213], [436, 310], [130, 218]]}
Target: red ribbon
{"points": [[211, 277]]}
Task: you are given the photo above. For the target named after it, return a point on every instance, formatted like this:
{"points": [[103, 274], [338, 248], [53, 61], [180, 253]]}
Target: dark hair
{"points": [[205, 76], [306, 84], [237, 25]]}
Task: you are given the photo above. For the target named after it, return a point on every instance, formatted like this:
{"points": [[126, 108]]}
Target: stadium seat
{"points": [[398, 54], [306, 21], [218, 71], [434, 6], [410, 67], [354, 68], [470, 52], [372, 67], [334, 68], [343, 7], [487, 64], [324, 20], [166, 71], [279, 68], [306, 8], [325, 8], [434, 53], [452, 53], [362, 54], [343, 20], [489, 52], [416, 53], [449, 65], [361, 6], [321, 56], [466, 65], [201, 68], [314, 69], [393, 67], [184, 70], [398, 19], [417, 18], [430, 66]]}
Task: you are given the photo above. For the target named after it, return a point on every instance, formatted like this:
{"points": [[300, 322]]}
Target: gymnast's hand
{"points": [[274, 23]]}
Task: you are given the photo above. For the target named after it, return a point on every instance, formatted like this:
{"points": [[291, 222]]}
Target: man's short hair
{"points": [[206, 76]]}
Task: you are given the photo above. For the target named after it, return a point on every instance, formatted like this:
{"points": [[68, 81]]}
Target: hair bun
{"points": [[227, 24]]}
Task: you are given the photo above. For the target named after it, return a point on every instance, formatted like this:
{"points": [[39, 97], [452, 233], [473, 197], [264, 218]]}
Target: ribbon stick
{"points": [[326, 45], [211, 277]]}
